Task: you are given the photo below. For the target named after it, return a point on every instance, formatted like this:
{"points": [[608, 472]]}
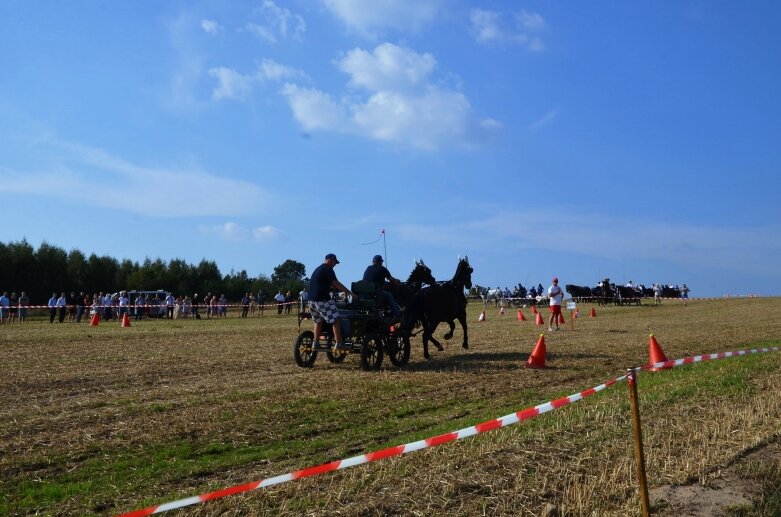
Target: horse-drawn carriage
{"points": [[367, 327]]}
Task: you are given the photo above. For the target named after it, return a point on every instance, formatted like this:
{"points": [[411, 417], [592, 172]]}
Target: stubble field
{"points": [[104, 420]]}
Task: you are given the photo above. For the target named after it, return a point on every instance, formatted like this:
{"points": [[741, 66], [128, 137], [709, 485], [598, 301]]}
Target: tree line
{"points": [[40, 272]]}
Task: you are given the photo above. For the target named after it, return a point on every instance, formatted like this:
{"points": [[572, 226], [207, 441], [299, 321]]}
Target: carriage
{"points": [[367, 327]]}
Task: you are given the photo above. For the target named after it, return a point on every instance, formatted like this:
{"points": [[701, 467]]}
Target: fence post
{"points": [[638, 438]]}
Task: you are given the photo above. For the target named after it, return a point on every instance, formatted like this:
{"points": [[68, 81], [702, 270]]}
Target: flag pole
{"points": [[385, 246]]}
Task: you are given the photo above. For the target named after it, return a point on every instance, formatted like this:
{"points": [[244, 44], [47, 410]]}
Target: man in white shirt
{"points": [[169, 306], [555, 295]]}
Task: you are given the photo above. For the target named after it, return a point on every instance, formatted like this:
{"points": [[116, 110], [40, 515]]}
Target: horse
{"points": [[441, 302]]}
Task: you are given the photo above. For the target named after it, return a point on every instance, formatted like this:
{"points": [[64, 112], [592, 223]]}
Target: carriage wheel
{"points": [[304, 349], [398, 348], [371, 352]]}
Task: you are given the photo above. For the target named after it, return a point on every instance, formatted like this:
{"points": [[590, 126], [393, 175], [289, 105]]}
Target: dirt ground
{"points": [[101, 420]]}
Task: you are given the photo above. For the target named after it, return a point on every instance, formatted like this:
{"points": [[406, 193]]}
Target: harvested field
{"points": [[101, 420]]}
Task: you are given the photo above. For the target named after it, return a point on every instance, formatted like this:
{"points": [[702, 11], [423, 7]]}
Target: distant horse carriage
{"points": [[367, 326]]}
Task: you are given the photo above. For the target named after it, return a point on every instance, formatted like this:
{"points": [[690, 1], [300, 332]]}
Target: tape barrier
{"points": [[398, 450], [133, 306]]}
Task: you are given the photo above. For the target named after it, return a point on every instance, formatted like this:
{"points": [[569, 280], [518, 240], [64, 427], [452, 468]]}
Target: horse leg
{"points": [[462, 320], [449, 333]]}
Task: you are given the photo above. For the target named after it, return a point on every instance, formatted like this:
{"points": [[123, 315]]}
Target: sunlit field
{"points": [[105, 419]]}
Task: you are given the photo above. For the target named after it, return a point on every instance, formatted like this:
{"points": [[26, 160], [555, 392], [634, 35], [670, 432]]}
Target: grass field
{"points": [[102, 420]]}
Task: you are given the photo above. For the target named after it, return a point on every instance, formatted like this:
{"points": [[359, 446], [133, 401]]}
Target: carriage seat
{"points": [[368, 294]]}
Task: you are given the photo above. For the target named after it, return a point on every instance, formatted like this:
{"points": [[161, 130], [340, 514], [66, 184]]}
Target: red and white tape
{"points": [[398, 450]]}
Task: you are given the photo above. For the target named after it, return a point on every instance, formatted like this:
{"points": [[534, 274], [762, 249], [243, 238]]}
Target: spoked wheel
{"points": [[371, 352], [398, 350], [304, 349]]}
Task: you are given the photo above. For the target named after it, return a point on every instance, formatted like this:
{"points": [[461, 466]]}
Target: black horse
{"points": [[404, 292], [442, 302]]}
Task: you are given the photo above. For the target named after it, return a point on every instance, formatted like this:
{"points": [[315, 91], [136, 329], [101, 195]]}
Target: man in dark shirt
{"points": [[322, 307], [377, 273]]}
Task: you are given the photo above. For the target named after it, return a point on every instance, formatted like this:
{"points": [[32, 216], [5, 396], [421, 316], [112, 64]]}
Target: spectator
{"points": [[140, 303], [5, 303], [194, 303], [555, 294], [261, 302], [223, 307], [72, 307], [280, 298], [85, 302], [52, 307], [302, 300], [685, 294], [124, 304], [289, 302], [657, 294], [213, 306], [62, 306], [13, 308], [245, 302], [24, 301], [170, 301]]}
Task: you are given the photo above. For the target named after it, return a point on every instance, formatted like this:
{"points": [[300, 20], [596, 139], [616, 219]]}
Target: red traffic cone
{"points": [[521, 317], [577, 313], [537, 357], [561, 319], [95, 320], [482, 316], [534, 309], [501, 311], [539, 321], [593, 313], [125, 320], [655, 353]]}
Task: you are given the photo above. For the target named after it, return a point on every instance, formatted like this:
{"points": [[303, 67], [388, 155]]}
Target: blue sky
{"points": [[633, 140]]}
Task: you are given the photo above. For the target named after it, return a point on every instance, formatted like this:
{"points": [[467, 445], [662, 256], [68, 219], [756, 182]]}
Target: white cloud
{"points": [[546, 120], [366, 18], [211, 27], [266, 233], [93, 177], [493, 27], [399, 101], [388, 67], [314, 109], [230, 84], [270, 69], [231, 231], [278, 23]]}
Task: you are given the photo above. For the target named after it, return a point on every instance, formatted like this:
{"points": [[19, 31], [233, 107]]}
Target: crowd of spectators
{"points": [[138, 305]]}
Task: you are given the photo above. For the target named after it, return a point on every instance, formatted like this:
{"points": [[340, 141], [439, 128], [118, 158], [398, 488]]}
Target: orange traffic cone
{"points": [[534, 309], [482, 316], [501, 311], [593, 313], [95, 320], [537, 357], [125, 320], [655, 353], [539, 321], [521, 317], [561, 319]]}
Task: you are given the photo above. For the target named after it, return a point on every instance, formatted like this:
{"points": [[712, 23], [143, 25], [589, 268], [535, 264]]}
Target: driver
{"points": [[377, 273]]}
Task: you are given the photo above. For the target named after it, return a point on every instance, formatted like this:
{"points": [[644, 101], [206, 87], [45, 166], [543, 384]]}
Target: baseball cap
{"points": [[332, 256], [555, 279], [377, 258]]}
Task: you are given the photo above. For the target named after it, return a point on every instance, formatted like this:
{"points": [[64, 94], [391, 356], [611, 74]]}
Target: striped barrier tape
{"points": [[398, 450]]}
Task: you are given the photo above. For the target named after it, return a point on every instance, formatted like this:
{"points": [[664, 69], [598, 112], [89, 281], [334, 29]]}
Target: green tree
{"points": [[289, 276]]}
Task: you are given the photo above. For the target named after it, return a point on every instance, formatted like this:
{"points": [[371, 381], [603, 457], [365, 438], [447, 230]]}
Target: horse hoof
{"points": [[449, 335], [465, 345]]}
